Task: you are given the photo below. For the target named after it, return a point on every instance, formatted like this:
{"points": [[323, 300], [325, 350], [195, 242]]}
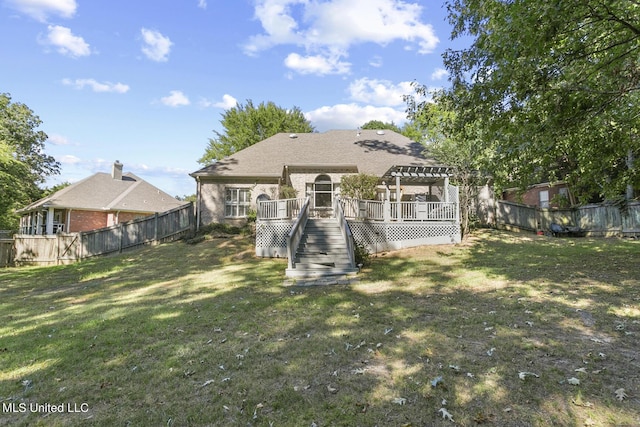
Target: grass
{"points": [[206, 334]]}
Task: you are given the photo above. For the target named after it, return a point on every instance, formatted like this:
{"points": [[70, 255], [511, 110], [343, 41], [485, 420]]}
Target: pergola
{"points": [[419, 175]]}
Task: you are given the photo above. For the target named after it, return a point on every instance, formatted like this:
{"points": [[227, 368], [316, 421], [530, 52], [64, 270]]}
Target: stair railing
{"points": [[295, 235], [344, 228]]}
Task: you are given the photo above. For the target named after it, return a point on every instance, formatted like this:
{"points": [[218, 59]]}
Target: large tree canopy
{"points": [[23, 163], [247, 124], [554, 86], [459, 147]]}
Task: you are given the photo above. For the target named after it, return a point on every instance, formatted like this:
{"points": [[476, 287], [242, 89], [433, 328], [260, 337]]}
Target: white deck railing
{"points": [[280, 209], [346, 231], [399, 211], [294, 236], [372, 210]]}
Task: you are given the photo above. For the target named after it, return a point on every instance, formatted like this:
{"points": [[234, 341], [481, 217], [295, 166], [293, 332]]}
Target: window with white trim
{"points": [[543, 198], [236, 202]]}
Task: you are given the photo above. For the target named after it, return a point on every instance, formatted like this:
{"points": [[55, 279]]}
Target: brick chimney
{"points": [[116, 172]]}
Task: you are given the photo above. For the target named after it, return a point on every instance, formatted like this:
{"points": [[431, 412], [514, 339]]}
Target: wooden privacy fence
{"points": [[6, 252], [65, 248], [596, 220]]}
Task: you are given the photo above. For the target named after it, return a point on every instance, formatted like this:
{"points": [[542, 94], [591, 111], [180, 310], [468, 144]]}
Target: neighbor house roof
{"points": [[103, 192], [369, 151]]}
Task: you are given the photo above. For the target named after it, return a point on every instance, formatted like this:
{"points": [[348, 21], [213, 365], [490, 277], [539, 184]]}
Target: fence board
{"points": [[66, 248], [596, 220], [6, 252]]}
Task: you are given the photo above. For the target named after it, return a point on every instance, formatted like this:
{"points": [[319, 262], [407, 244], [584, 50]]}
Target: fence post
{"points": [[121, 229], [155, 227]]}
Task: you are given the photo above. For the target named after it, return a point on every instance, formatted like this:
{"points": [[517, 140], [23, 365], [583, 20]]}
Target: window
{"points": [[323, 190], [236, 202], [544, 198]]}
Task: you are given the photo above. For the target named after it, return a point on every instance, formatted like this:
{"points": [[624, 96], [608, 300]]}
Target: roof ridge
{"points": [[123, 195]]}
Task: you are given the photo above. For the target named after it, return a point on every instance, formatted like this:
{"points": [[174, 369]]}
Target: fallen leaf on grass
{"points": [[436, 381], [446, 414], [621, 394], [400, 400], [523, 375]]}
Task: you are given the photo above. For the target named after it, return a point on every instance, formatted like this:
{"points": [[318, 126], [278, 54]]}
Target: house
{"points": [[415, 203], [544, 195], [100, 200]]}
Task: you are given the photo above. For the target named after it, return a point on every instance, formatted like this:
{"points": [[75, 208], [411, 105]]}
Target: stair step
{"points": [[322, 251], [311, 272]]}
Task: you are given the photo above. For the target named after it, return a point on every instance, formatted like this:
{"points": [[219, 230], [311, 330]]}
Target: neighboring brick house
{"points": [[100, 200], [544, 195]]}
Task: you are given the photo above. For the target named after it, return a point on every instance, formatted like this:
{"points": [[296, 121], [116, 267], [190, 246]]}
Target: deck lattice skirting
{"points": [[271, 235], [382, 236]]}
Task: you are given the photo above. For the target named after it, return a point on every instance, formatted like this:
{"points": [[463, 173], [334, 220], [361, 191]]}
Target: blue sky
{"points": [[146, 82]]}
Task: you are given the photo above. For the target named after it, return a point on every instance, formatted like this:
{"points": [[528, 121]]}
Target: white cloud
{"points": [[56, 139], [69, 159], [316, 64], [97, 86], [156, 46], [330, 28], [351, 116], [41, 9], [202, 4], [65, 42], [376, 61], [175, 99], [379, 92], [439, 74], [227, 102]]}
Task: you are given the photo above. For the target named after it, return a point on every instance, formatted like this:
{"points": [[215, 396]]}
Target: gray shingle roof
{"points": [[101, 192], [369, 151]]}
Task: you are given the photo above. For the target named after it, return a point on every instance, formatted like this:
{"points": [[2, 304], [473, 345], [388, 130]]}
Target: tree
{"points": [[458, 147], [554, 86], [247, 124], [23, 163], [378, 125], [408, 129], [360, 186]]}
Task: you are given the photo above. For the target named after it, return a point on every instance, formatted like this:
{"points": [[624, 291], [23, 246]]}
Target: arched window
{"points": [[323, 191]]}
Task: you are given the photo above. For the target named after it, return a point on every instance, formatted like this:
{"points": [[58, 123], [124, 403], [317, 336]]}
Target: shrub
{"points": [[360, 186], [287, 192], [362, 254]]}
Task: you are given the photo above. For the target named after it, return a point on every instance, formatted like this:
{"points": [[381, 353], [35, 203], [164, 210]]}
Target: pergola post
{"points": [[446, 189], [386, 207]]}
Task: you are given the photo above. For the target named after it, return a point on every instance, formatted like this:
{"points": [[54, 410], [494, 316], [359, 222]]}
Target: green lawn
{"points": [[206, 334]]}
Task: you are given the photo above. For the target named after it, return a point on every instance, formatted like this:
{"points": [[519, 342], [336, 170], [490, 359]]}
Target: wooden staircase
{"points": [[322, 251]]}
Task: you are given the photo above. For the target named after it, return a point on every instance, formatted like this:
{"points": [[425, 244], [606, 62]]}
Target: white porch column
{"points": [[398, 197], [38, 229], [49, 221]]}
